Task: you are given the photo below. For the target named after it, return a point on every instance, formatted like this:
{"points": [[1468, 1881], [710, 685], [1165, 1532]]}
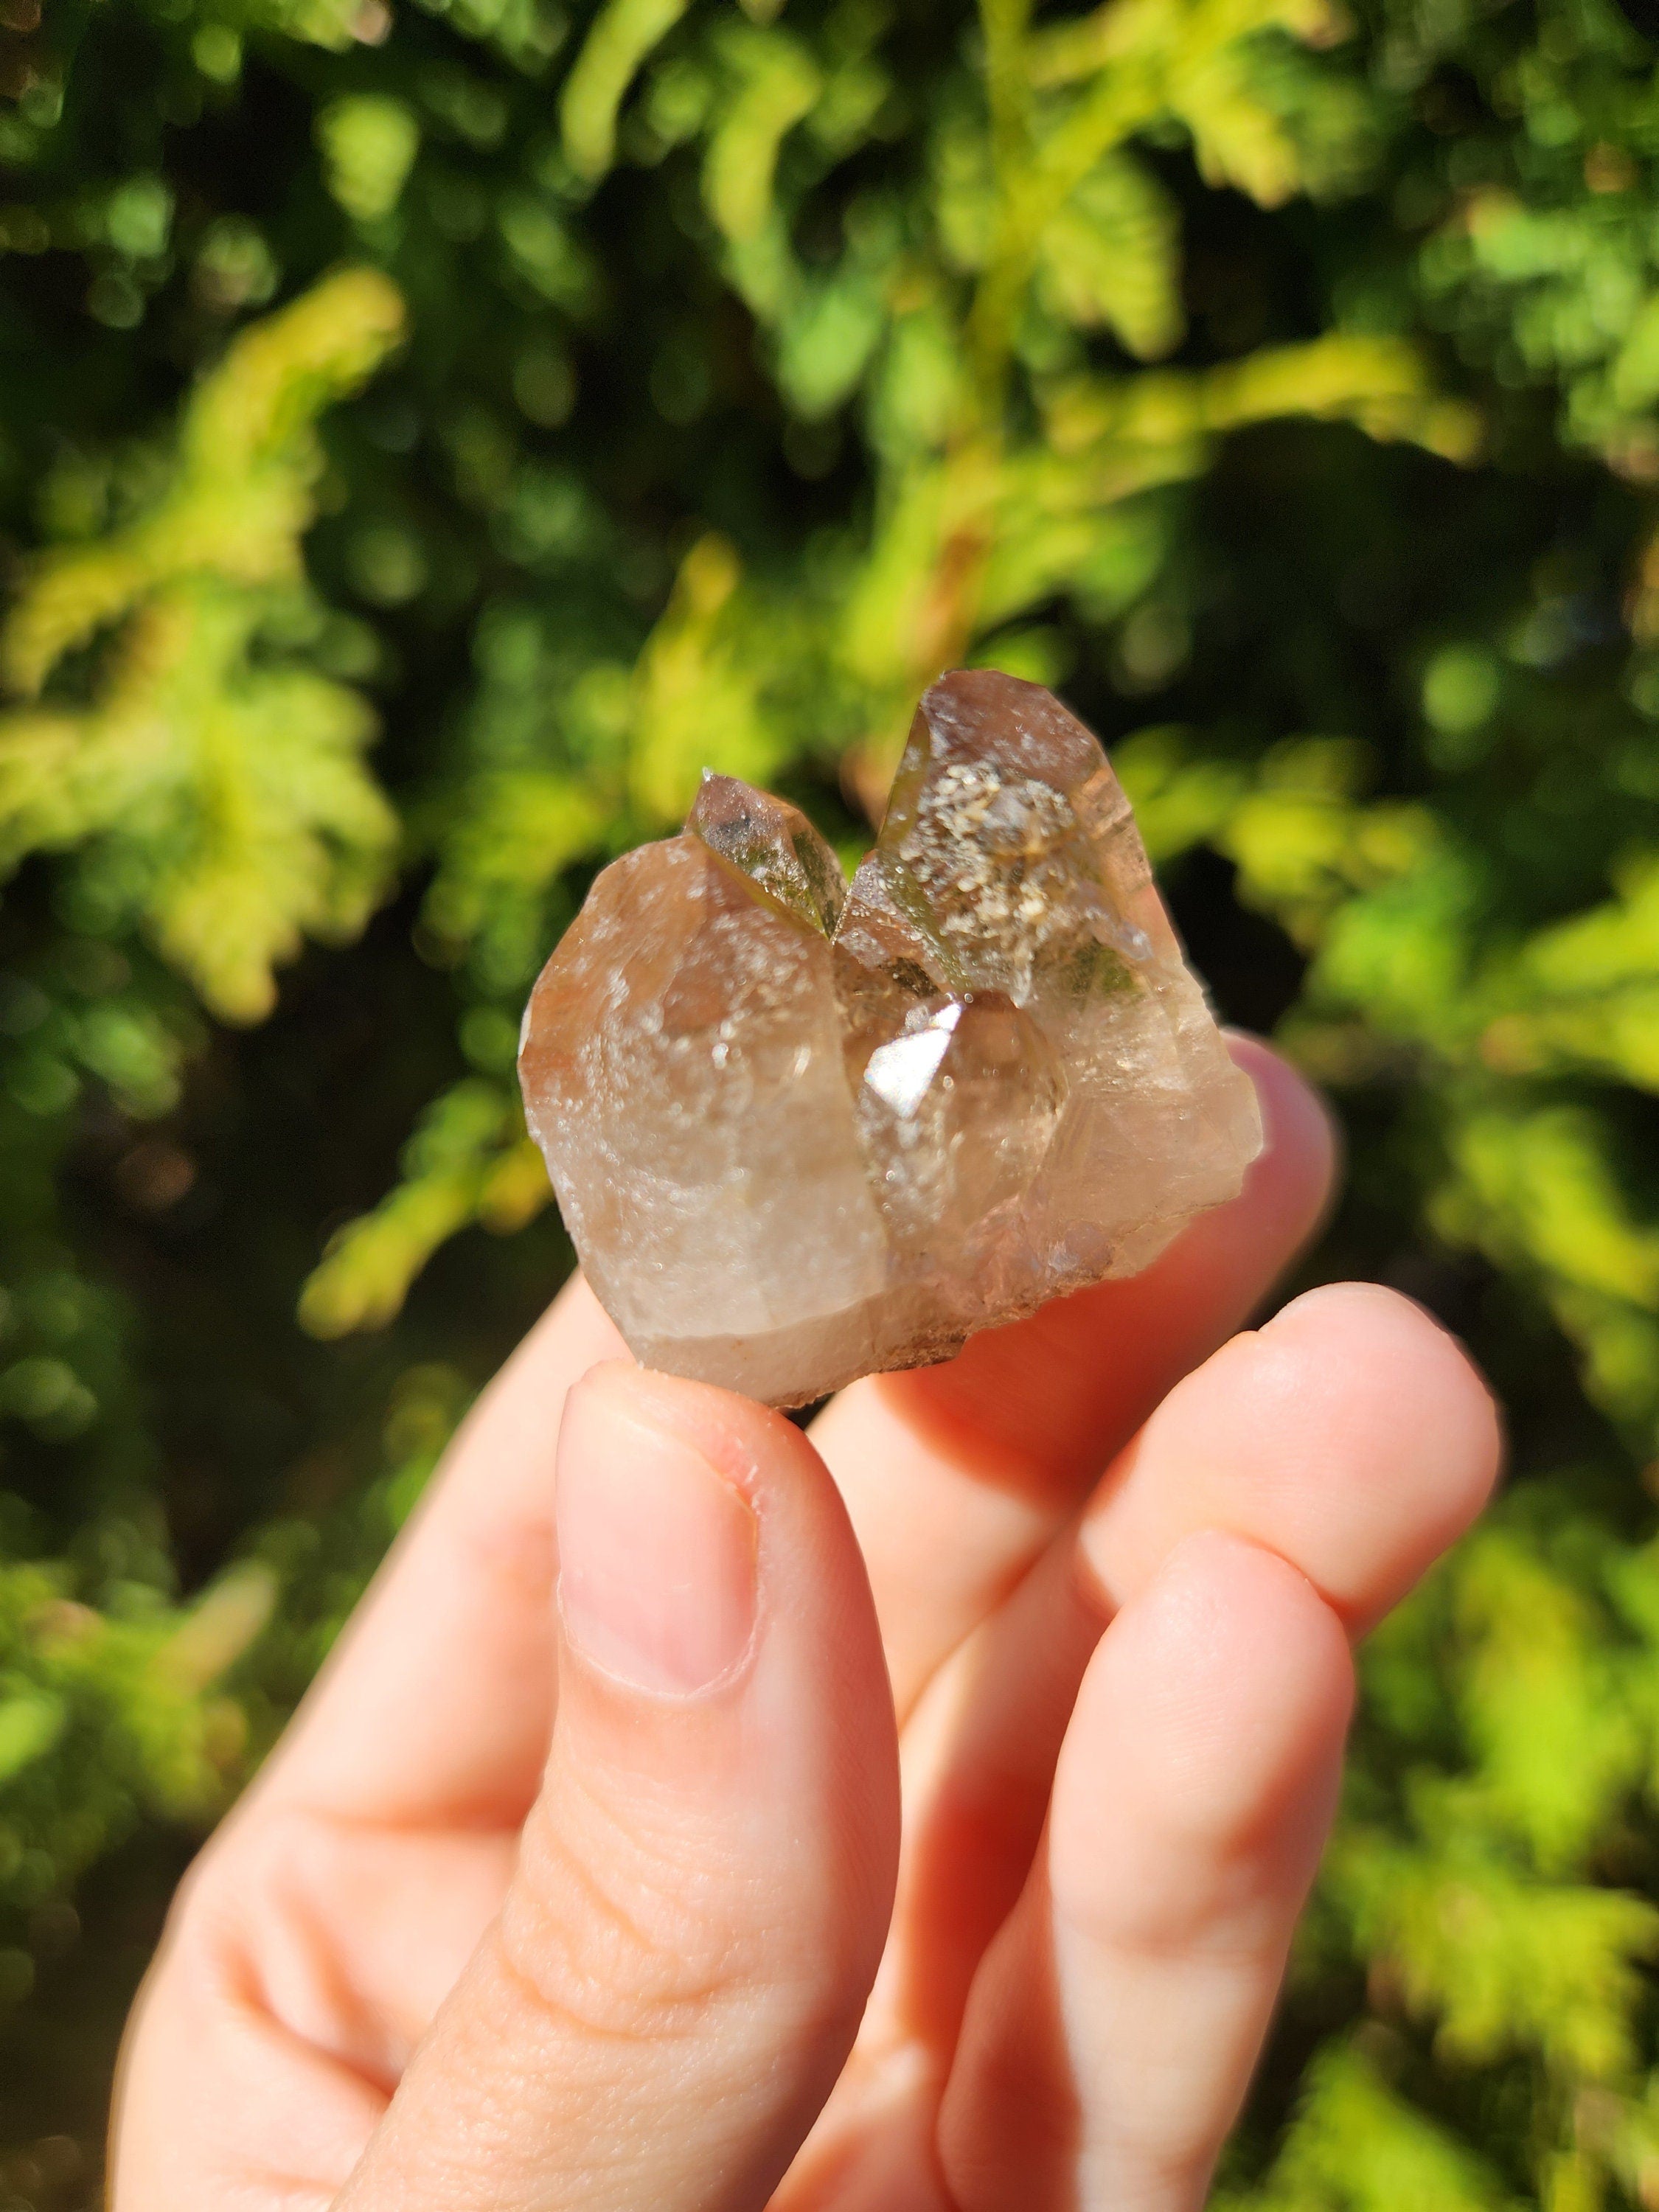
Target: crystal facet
{"points": [[801, 1130]]}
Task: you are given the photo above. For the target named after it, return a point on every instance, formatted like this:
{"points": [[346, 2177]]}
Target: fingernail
{"points": [[656, 1552]]}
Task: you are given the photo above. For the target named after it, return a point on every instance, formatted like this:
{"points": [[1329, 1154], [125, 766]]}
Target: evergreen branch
{"points": [[621, 36], [468, 1160], [241, 489], [236, 784], [780, 84]]}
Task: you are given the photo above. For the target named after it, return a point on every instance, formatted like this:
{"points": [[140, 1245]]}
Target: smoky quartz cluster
{"points": [[802, 1130]]}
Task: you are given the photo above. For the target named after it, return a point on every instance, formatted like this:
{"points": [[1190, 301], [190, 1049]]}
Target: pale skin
{"points": [[912, 1817]]}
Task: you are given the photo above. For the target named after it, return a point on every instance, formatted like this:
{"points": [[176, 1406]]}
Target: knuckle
{"points": [[246, 1919], [619, 1936], [626, 1928]]}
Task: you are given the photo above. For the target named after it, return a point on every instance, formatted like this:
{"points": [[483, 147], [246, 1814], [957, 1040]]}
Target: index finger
{"points": [[957, 1476]]}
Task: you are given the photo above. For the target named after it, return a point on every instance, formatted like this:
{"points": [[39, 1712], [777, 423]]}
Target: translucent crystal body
{"points": [[801, 1131]]}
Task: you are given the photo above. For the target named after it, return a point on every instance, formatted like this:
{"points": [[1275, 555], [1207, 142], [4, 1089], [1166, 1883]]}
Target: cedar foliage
{"points": [[429, 432]]}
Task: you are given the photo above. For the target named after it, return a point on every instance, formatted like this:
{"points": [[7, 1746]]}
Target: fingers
{"points": [[705, 1881], [1114, 2026], [956, 1476], [437, 1704], [1351, 1436]]}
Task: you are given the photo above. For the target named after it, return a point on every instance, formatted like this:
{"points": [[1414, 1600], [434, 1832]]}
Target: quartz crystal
{"points": [[802, 1130]]}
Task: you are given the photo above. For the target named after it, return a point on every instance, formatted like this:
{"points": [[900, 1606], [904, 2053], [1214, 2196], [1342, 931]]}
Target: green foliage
{"points": [[215, 792], [429, 436], [1355, 2147]]}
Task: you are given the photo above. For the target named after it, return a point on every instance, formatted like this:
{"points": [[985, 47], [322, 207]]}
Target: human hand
{"points": [[579, 1904]]}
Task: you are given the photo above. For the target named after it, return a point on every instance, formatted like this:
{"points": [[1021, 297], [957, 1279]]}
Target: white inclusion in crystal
{"points": [[1110, 929], [899, 1073]]}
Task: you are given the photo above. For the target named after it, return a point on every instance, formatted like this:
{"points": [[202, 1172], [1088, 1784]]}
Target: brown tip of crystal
{"points": [[772, 845], [982, 713]]}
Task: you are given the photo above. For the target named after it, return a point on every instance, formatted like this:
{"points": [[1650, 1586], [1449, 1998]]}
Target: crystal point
{"points": [[774, 844], [802, 1131]]}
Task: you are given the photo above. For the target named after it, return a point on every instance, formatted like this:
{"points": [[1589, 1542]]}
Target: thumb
{"points": [[705, 1881]]}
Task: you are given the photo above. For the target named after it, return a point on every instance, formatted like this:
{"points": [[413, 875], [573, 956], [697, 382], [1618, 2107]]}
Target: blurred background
{"points": [[431, 430]]}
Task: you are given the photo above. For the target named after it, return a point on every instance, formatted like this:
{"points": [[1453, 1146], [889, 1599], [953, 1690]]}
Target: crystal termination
{"points": [[802, 1130]]}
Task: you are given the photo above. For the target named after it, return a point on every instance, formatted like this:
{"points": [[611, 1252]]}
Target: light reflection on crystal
{"points": [[899, 1073]]}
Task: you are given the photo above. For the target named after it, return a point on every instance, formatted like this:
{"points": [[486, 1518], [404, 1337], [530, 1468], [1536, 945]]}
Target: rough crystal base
{"points": [[801, 1131]]}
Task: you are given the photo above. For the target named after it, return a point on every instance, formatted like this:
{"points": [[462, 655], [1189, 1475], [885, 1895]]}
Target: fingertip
{"points": [[745, 1441], [657, 1546], [1227, 1643], [1224, 1691], [1393, 1353], [1292, 1180], [621, 1418], [1221, 1594], [1350, 1434]]}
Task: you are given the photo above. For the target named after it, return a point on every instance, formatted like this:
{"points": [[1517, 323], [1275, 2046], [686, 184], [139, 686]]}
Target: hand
{"points": [[581, 1905]]}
